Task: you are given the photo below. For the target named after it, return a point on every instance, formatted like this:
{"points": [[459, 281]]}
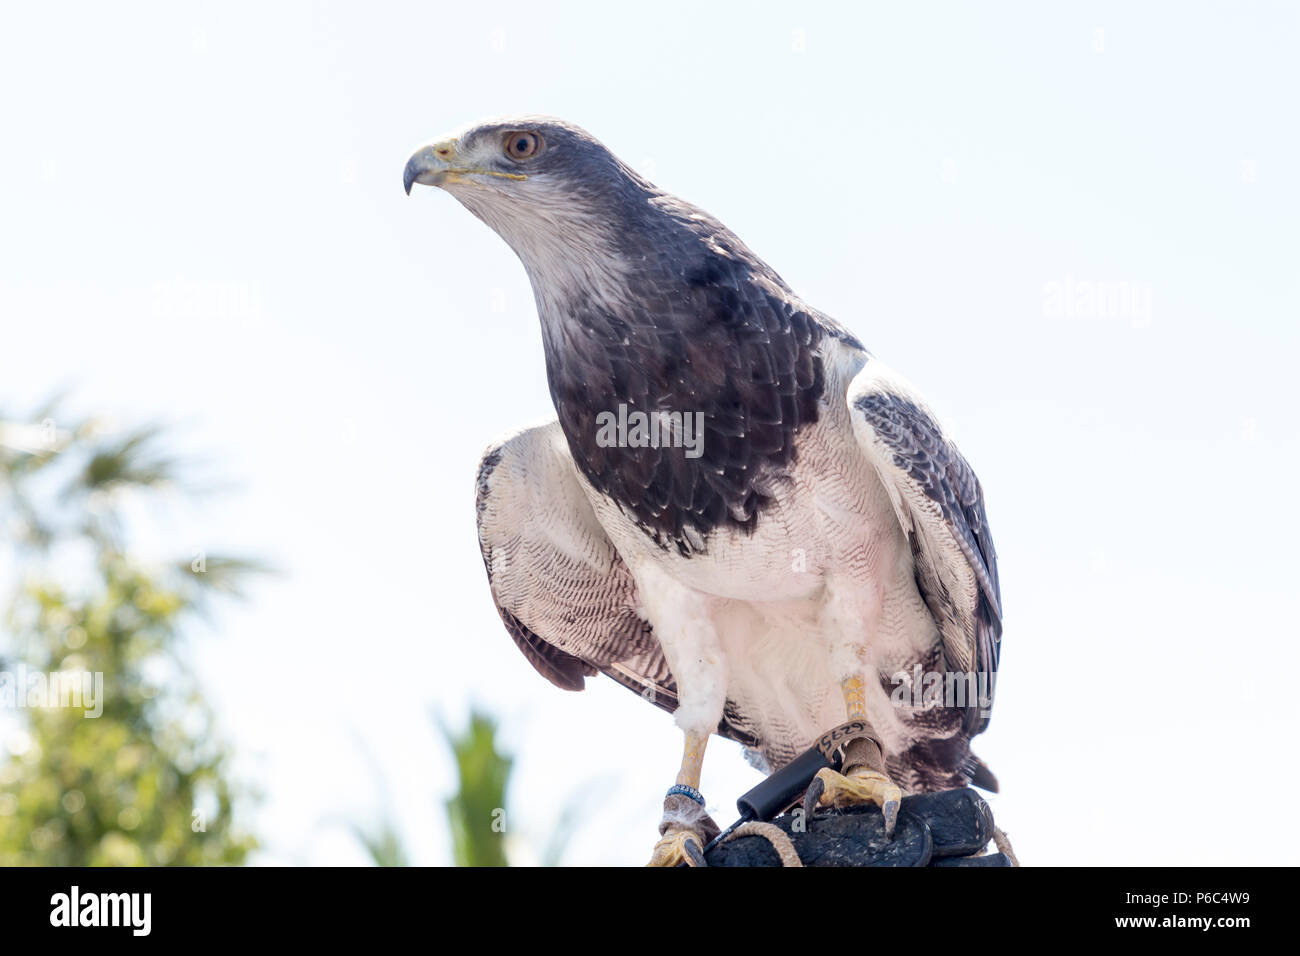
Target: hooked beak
{"points": [[439, 164], [430, 165]]}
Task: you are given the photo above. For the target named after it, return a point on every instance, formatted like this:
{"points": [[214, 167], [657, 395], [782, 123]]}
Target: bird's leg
{"points": [[864, 779], [854, 610], [685, 827], [683, 621]]}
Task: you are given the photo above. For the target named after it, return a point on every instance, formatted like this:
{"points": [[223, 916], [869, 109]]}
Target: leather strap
{"points": [[834, 743]]}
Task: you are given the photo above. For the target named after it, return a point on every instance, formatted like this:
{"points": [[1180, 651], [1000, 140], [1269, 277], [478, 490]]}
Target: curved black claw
{"points": [[695, 852], [811, 796], [890, 812]]}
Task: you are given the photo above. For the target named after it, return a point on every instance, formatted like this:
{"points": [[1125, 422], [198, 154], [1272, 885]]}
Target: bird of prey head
{"points": [[536, 181]]}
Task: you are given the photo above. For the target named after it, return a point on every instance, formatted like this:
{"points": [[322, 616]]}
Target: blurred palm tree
{"points": [[383, 843], [138, 775], [476, 812]]}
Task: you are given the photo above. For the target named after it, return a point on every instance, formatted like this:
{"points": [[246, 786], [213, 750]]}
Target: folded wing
{"points": [[940, 505], [561, 588]]}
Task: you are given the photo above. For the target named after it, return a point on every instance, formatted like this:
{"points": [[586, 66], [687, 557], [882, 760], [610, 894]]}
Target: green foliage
{"points": [[476, 812], [147, 781], [383, 843]]}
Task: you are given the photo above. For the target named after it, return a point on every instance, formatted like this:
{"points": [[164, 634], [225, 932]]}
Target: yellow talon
{"points": [[676, 847], [859, 786]]}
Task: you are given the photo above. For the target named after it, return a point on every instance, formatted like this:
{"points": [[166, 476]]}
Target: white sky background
{"points": [[202, 220]]}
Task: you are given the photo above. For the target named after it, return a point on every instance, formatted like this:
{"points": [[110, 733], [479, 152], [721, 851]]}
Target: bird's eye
{"points": [[523, 145]]}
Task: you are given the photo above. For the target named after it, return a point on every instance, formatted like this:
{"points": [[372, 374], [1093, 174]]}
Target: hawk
{"points": [[739, 512]]}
